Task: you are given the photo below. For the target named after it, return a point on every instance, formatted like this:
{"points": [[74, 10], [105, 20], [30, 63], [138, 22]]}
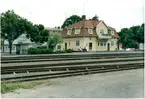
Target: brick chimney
{"points": [[83, 17]]}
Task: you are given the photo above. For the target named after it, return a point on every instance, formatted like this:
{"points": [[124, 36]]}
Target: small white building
{"points": [[20, 45]]}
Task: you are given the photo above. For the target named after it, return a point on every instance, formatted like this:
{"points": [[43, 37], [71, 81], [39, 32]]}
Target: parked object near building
{"points": [[92, 34], [141, 46]]}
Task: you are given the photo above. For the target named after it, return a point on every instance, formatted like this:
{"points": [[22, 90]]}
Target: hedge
{"points": [[41, 50]]}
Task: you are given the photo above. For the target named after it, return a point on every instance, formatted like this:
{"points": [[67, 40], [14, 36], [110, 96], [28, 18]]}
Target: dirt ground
{"points": [[119, 84]]}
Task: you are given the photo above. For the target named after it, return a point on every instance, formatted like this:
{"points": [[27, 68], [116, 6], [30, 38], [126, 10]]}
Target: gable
{"points": [[102, 26]]}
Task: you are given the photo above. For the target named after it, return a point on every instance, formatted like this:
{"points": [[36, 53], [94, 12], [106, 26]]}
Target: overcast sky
{"points": [[51, 13]]}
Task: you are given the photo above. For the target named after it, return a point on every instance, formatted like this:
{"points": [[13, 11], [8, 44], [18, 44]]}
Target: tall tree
{"points": [[140, 34], [12, 26], [37, 33], [125, 37], [71, 20], [131, 37], [53, 40]]}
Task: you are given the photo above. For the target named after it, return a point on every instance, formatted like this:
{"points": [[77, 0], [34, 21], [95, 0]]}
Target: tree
{"points": [[71, 20], [37, 33], [125, 38], [140, 34], [12, 26], [131, 37], [53, 40]]}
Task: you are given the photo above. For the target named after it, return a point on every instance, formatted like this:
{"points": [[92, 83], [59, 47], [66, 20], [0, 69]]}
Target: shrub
{"points": [[43, 50], [69, 50], [42, 47], [39, 51], [58, 52]]}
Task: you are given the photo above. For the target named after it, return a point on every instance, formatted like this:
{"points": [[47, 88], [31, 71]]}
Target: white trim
{"points": [[102, 22], [99, 24]]}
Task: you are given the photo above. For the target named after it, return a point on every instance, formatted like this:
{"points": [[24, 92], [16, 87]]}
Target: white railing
{"points": [[105, 36]]}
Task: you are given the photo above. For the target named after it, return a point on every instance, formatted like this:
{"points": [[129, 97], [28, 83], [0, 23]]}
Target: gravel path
{"points": [[120, 84]]}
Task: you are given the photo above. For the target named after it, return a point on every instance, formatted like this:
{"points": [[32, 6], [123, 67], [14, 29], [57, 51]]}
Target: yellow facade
{"points": [[91, 43]]}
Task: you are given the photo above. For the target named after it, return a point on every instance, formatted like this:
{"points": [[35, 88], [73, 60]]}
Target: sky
{"points": [[51, 13]]}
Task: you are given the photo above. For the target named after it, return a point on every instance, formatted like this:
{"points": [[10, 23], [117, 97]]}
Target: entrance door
{"points": [[18, 48], [108, 46], [90, 46], [65, 46]]}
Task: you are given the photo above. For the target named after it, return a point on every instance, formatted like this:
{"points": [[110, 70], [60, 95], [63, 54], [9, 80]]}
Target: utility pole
{"points": [[84, 7]]}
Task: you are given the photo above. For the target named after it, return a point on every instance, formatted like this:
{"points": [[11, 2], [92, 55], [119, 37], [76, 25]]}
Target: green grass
{"points": [[10, 87]]}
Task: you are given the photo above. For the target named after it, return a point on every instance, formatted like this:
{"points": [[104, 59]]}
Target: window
{"points": [[90, 31], [77, 31], [90, 46], [77, 43], [112, 32], [104, 43], [101, 31], [69, 32], [58, 47], [98, 43], [101, 44], [90, 38]]}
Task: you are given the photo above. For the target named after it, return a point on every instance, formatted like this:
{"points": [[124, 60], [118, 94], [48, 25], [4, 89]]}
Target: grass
{"points": [[10, 87]]}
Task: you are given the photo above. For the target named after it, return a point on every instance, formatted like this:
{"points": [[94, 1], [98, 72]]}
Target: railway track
{"points": [[16, 69]]}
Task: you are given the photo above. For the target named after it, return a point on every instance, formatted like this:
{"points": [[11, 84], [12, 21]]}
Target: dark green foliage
{"points": [[131, 37], [58, 52], [44, 50], [37, 33], [71, 20], [39, 51], [69, 50], [12, 26]]}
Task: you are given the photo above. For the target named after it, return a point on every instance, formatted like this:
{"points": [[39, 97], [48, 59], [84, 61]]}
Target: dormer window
{"points": [[69, 32], [77, 31], [112, 32], [101, 31], [90, 31]]}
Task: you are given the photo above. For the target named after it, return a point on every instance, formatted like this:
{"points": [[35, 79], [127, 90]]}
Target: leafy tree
{"points": [[71, 20], [125, 37], [140, 34], [53, 40], [131, 37], [37, 33], [12, 26]]}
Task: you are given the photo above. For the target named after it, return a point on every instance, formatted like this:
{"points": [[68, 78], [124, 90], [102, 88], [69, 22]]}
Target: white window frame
{"points": [[90, 31], [101, 44], [69, 32], [77, 43], [112, 32], [102, 32], [77, 31]]}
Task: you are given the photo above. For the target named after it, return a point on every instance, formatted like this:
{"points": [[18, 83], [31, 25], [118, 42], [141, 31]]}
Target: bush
{"points": [[42, 47], [43, 50], [39, 51], [69, 50], [58, 52]]}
